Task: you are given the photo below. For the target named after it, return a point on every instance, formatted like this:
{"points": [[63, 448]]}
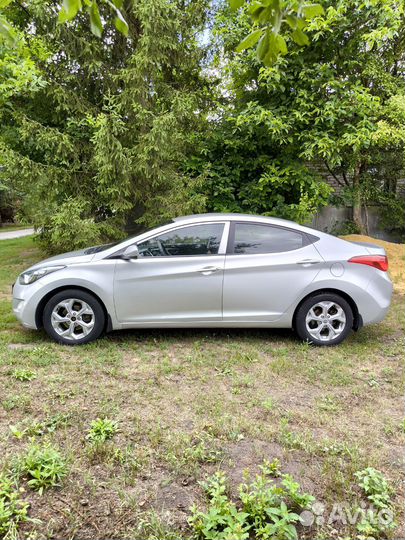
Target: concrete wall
{"points": [[332, 218]]}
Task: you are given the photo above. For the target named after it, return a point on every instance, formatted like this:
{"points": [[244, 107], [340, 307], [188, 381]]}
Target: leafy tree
{"points": [[340, 101], [245, 170], [99, 142], [68, 10], [273, 18]]}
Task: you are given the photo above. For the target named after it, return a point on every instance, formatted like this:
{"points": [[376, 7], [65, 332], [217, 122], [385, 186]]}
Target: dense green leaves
{"points": [[107, 132], [277, 20], [70, 9], [334, 106], [98, 139]]}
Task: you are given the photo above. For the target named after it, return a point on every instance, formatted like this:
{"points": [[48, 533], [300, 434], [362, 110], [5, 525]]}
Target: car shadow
{"points": [[202, 334]]}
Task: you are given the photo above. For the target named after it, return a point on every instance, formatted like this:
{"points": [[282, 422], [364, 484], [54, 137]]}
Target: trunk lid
{"points": [[373, 249]]}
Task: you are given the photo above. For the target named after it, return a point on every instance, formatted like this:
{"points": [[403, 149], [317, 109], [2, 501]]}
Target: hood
{"points": [[72, 257]]}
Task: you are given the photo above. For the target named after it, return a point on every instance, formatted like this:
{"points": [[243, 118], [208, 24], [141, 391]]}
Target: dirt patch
{"points": [[246, 456], [83, 513]]}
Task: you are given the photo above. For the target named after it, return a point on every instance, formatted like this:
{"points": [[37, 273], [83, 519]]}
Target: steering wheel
{"points": [[161, 247]]}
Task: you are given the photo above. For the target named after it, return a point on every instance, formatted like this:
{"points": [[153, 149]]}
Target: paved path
{"points": [[8, 235]]}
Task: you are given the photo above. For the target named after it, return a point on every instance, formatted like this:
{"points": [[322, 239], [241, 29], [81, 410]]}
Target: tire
{"points": [[324, 319], [73, 317]]}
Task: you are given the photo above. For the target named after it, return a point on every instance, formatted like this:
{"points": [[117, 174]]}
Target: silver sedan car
{"points": [[205, 271]]}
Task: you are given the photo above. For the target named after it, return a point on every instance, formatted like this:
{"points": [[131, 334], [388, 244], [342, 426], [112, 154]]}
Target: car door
{"points": [[266, 268], [177, 278]]}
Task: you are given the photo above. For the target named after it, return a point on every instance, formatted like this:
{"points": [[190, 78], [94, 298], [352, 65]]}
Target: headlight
{"points": [[33, 275]]}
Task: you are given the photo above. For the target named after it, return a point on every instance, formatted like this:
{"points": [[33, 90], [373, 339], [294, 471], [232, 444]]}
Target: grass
{"points": [[179, 405]]}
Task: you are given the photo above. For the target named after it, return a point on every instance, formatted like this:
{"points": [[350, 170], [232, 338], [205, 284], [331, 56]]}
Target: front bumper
{"points": [[25, 303]]}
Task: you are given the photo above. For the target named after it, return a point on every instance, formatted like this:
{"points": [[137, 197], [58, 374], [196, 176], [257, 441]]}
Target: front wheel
{"points": [[324, 319], [73, 317]]}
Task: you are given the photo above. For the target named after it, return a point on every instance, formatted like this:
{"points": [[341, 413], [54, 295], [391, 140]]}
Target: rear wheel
{"points": [[73, 317], [324, 319]]}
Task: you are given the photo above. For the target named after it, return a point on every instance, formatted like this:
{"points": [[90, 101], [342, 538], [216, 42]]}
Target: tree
{"points": [[340, 100], [273, 21], [67, 11], [100, 142]]}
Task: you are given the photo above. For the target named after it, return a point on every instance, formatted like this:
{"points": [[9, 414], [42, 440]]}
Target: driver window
{"points": [[201, 239]]}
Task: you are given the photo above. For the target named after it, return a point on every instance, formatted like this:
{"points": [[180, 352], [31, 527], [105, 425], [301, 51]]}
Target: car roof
{"points": [[220, 216]]}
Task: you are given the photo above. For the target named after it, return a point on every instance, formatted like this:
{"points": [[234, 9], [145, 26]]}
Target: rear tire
{"points": [[324, 319], [74, 317]]}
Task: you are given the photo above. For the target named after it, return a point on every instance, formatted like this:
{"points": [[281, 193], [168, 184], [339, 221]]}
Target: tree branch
{"points": [[334, 175]]}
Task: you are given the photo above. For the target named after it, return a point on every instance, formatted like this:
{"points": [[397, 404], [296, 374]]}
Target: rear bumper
{"points": [[376, 301]]}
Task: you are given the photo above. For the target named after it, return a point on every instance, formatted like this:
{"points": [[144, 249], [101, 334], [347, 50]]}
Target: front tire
{"points": [[73, 317], [324, 319]]}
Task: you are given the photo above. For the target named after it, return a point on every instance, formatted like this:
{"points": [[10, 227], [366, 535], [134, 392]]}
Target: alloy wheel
{"points": [[325, 321], [72, 319]]}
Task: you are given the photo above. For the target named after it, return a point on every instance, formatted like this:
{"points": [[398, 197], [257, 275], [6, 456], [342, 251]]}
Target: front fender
{"points": [[97, 278]]}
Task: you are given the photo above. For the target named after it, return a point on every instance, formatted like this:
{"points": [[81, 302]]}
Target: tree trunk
{"points": [[357, 202]]}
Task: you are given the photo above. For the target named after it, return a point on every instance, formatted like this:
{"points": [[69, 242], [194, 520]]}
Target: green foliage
{"points": [[43, 466], [243, 174], [37, 429], [375, 486], [13, 509], [68, 11], [24, 375], [71, 8], [338, 102], [380, 519], [222, 520], [266, 510], [98, 141], [277, 20], [73, 225], [271, 468], [101, 430], [292, 490]]}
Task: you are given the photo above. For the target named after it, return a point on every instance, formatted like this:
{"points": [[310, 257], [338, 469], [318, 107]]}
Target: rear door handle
{"points": [[207, 270], [308, 262]]}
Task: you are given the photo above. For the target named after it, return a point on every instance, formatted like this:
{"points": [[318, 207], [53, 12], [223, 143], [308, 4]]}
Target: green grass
{"points": [[188, 403]]}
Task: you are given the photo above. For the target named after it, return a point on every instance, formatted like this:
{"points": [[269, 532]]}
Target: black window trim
{"points": [[307, 238]]}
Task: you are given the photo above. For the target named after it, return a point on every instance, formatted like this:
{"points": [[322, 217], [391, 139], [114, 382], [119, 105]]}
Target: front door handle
{"points": [[308, 262], [208, 270]]}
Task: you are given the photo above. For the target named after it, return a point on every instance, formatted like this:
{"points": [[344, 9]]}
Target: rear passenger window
{"points": [[251, 238]]}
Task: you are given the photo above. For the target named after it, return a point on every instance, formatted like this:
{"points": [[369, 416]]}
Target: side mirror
{"points": [[132, 252]]}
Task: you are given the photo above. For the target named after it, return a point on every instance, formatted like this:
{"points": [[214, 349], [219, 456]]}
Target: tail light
{"points": [[376, 261]]}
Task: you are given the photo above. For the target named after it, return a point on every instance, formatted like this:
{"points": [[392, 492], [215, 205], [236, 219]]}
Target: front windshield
{"points": [[103, 247]]}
